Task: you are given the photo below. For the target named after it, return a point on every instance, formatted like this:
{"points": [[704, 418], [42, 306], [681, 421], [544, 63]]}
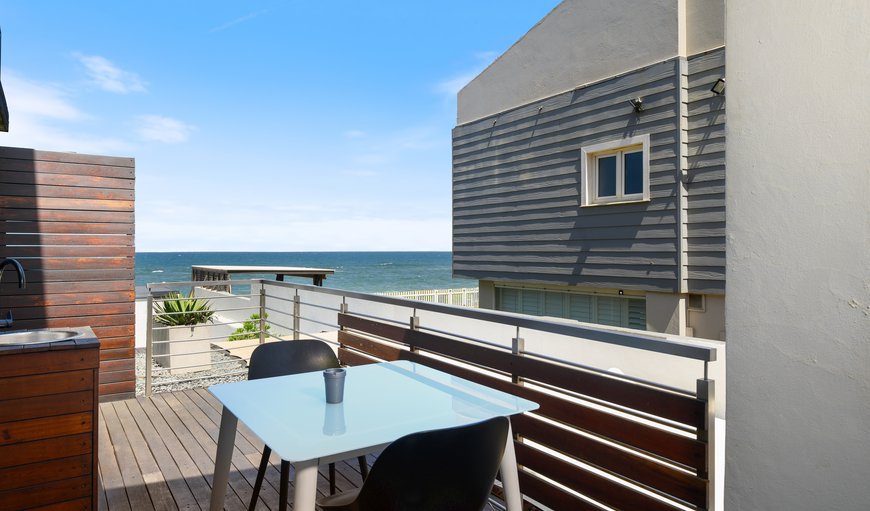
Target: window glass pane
{"points": [[580, 307], [508, 299], [609, 311], [637, 314], [633, 168], [531, 302], [554, 304], [607, 176]]}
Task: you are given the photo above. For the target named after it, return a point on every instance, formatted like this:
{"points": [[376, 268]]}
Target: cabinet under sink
{"points": [[48, 421]]}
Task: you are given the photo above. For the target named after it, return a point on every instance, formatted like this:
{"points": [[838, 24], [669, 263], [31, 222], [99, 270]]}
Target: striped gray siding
{"points": [[516, 189], [705, 182]]}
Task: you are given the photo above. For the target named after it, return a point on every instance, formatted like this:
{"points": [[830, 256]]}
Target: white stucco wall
{"points": [[585, 41], [705, 25], [665, 313], [798, 276], [709, 324], [486, 294]]}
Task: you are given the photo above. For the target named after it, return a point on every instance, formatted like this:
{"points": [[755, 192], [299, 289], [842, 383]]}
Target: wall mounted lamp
{"points": [[636, 104], [718, 87]]}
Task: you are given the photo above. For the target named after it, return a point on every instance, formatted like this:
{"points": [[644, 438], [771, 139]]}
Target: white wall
{"points": [[486, 294], [705, 25], [665, 312], [798, 276], [141, 315], [585, 41], [709, 324]]}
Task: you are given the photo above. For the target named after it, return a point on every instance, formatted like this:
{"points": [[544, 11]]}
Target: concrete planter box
{"points": [[187, 346]]}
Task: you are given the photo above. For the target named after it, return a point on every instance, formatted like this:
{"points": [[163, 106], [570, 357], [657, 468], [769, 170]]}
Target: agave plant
{"points": [[178, 310]]}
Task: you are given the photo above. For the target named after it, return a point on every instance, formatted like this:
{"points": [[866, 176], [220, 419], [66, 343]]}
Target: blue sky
{"points": [[260, 125]]}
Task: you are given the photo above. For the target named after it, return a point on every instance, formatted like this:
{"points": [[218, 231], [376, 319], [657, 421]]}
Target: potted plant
{"points": [[182, 350]]}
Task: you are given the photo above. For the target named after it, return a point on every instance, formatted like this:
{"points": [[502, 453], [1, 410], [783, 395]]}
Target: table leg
{"points": [[222, 459], [509, 476], [305, 485]]}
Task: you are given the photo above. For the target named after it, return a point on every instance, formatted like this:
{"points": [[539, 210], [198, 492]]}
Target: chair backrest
{"points": [[290, 357], [441, 470]]}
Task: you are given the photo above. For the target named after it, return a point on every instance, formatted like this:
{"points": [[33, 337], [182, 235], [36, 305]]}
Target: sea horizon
{"points": [[364, 271]]}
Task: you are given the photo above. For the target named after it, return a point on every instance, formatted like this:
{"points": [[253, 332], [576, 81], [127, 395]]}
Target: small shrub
{"points": [[249, 329], [177, 310]]}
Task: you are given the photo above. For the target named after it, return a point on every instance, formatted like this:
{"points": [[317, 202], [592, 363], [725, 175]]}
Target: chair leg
{"points": [[261, 472], [363, 467], [285, 483], [332, 478]]}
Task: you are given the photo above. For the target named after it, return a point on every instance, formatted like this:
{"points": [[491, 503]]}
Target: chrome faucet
{"points": [[7, 322]]}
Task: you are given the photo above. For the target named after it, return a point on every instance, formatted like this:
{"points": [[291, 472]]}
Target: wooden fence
{"points": [[464, 297], [596, 437], [68, 218]]}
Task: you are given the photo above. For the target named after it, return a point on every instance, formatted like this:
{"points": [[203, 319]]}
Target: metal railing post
{"points": [[149, 340], [262, 313], [414, 324], [296, 308], [518, 346], [706, 391]]}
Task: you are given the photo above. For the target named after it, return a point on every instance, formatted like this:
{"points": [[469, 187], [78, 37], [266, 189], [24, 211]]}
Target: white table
{"points": [[382, 402]]}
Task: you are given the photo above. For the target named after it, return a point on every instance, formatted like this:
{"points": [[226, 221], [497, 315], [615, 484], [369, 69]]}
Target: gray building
{"points": [[589, 168]]}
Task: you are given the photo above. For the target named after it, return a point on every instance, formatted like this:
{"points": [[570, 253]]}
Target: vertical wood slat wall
{"points": [[69, 219]]}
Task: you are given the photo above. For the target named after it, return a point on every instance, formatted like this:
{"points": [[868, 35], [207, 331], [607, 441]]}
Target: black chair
{"points": [[280, 359], [442, 470]]}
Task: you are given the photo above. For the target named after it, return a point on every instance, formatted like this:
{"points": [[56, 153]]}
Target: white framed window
{"points": [[615, 172]]}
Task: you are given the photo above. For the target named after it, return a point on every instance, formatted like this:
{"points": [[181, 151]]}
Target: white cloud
{"points": [[110, 77], [398, 149], [29, 97], [42, 116], [451, 86], [236, 21], [163, 129], [354, 134]]}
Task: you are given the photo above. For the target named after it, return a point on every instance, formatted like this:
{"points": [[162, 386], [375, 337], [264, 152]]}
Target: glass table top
{"points": [[382, 402]]}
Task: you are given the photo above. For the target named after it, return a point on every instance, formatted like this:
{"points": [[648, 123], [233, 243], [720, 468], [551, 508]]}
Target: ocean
{"points": [[368, 272]]}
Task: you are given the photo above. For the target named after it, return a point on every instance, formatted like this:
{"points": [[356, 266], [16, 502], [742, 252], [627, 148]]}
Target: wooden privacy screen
{"points": [[648, 466], [68, 218]]}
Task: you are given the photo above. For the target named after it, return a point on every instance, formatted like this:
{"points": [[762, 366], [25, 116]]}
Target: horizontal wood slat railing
{"points": [[650, 443], [69, 219], [650, 473]]}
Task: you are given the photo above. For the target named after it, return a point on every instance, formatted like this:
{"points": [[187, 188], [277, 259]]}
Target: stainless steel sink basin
{"points": [[36, 336]]}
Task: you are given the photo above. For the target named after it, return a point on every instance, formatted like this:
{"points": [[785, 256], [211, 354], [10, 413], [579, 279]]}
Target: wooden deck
{"points": [[158, 453]]}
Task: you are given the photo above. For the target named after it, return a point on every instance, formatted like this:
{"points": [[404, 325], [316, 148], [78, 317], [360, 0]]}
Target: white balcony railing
{"points": [[681, 371]]}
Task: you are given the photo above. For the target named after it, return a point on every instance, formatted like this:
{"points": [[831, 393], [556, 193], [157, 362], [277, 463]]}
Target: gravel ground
{"points": [[165, 382]]}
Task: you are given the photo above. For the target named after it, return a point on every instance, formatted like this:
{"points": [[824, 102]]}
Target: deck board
{"points": [[164, 465], [112, 487], [131, 475], [157, 453]]}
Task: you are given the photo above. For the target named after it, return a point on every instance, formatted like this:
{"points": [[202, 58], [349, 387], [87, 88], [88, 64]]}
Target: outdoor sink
{"points": [[36, 336]]}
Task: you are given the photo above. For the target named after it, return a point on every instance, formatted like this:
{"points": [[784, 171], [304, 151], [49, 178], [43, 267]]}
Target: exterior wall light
{"points": [[718, 87], [636, 104]]}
